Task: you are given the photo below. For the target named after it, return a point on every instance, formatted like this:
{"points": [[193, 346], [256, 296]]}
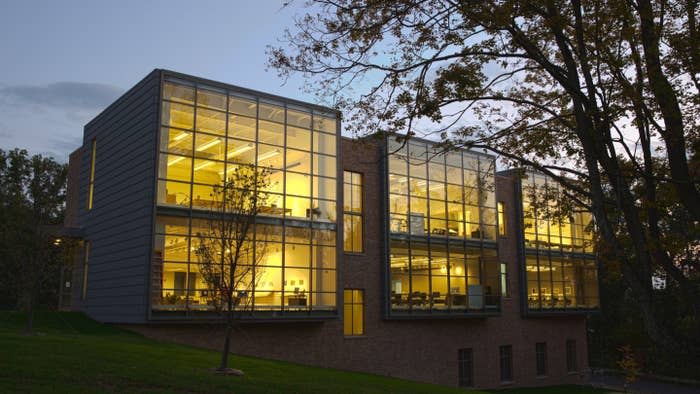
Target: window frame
{"points": [[465, 367], [505, 353], [354, 215], [502, 223], [230, 103], [541, 359], [351, 307]]}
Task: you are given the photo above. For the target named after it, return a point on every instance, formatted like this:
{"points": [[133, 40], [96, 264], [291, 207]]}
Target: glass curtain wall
{"points": [[560, 265], [207, 132], [442, 230], [544, 229]]}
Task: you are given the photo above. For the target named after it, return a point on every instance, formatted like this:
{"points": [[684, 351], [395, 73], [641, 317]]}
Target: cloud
{"points": [[49, 119], [61, 95]]}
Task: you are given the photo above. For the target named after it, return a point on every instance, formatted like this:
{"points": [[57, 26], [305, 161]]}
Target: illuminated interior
{"points": [[352, 212], [442, 227], [546, 231], [561, 282], [353, 312], [447, 195], [296, 271], [560, 268], [205, 133]]}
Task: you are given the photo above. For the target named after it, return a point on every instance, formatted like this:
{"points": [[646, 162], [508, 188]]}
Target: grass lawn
{"points": [[77, 355]]}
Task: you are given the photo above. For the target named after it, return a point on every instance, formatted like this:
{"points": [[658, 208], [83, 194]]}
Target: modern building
{"points": [[373, 254]]}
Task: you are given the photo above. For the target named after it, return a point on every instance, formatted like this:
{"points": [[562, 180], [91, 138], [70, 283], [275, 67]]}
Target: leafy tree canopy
{"points": [[600, 95], [32, 202]]}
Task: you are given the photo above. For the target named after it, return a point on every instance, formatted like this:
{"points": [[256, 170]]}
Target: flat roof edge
{"points": [[224, 85]]}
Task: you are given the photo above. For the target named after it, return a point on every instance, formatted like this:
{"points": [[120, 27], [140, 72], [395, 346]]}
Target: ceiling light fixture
{"points": [[182, 136], [268, 155], [242, 149], [203, 165], [209, 144], [174, 161]]}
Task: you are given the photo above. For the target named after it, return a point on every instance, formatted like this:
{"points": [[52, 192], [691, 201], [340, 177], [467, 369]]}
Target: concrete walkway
{"points": [[643, 385]]}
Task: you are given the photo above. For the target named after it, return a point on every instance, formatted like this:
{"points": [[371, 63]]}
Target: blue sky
{"points": [[64, 61]]}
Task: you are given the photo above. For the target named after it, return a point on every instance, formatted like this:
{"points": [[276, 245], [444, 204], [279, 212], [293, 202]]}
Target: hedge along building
{"points": [[381, 257]]}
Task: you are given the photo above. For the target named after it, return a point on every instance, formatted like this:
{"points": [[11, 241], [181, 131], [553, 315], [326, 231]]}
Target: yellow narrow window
{"points": [[86, 253], [501, 219], [352, 194], [504, 280], [353, 312], [91, 184]]}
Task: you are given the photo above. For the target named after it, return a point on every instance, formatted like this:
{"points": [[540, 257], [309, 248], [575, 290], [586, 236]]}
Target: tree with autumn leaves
{"points": [[602, 96]]}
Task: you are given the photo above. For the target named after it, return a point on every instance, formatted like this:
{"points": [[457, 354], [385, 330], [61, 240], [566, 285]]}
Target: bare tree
{"points": [[231, 247]]}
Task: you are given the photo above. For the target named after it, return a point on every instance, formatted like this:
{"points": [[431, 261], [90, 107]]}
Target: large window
{"points": [[561, 282], [441, 195], [352, 211], [465, 364], [560, 267], [442, 229], [443, 278], [549, 227], [206, 133], [91, 182], [506, 362], [541, 358], [353, 312], [295, 274]]}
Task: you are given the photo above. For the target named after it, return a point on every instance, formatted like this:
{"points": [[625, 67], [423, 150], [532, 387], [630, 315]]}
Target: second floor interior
{"points": [[443, 217]]}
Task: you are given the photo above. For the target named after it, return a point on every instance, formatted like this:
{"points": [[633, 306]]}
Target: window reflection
{"points": [[449, 200], [561, 273], [547, 228]]}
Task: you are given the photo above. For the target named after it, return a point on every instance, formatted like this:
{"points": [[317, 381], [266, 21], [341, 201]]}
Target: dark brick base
{"points": [[415, 350]]}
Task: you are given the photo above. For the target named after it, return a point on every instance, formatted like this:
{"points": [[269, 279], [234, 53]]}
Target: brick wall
{"points": [[422, 350]]}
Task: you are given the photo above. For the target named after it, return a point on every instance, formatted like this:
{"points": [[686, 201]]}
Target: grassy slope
{"points": [[75, 354]]}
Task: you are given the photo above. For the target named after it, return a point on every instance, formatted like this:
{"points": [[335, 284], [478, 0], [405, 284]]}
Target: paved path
{"points": [[643, 385]]}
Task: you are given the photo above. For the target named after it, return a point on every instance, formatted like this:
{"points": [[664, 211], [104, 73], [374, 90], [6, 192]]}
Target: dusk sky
{"points": [[65, 61]]}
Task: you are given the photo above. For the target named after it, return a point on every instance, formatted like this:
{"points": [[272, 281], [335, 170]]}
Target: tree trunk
{"points": [[227, 344], [641, 289], [674, 135]]}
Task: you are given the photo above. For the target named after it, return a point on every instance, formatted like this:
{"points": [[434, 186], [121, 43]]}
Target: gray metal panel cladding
{"points": [[119, 224]]}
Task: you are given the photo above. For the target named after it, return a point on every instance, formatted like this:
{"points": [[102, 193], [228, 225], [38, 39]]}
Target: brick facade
{"points": [[419, 349]]}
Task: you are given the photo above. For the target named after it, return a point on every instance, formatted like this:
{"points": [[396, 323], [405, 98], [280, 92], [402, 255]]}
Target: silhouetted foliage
{"points": [[32, 202], [602, 96]]}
